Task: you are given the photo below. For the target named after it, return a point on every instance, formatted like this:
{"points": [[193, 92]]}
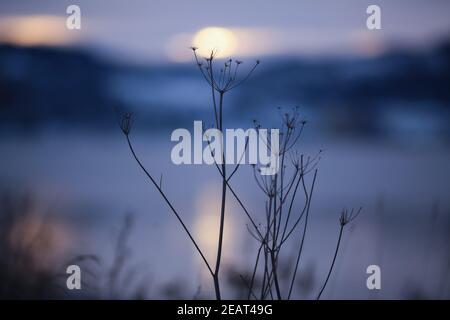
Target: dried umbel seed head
{"points": [[228, 76], [347, 217], [256, 124], [296, 159], [127, 123]]}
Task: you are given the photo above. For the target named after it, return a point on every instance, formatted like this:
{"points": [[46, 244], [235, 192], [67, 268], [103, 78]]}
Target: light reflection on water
{"points": [[206, 224]]}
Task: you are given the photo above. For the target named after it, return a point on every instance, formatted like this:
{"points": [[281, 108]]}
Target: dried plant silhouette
{"points": [[282, 191], [120, 280], [29, 243], [346, 218]]}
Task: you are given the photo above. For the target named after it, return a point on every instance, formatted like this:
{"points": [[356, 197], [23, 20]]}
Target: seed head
{"points": [[347, 217], [127, 123]]}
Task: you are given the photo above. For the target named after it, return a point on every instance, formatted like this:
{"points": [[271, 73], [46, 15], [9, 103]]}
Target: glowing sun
{"points": [[221, 40]]}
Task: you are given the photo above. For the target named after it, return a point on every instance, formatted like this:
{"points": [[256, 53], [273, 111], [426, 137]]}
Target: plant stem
{"points": [[222, 208], [304, 230], [273, 259], [169, 204], [332, 264]]}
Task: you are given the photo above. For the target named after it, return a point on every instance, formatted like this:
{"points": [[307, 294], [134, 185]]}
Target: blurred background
{"points": [[377, 103]]}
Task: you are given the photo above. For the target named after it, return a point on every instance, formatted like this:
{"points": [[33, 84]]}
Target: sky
{"points": [[160, 30]]}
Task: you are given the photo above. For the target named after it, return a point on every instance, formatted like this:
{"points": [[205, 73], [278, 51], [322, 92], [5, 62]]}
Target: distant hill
{"points": [[73, 88]]}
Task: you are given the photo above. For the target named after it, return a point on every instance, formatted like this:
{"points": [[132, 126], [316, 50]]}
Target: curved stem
{"points": [[304, 233], [332, 264], [222, 208], [169, 204]]}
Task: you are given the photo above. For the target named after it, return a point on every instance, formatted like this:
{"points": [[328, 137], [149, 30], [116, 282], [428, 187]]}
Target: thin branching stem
{"points": [[332, 263], [169, 204], [222, 207], [303, 235]]}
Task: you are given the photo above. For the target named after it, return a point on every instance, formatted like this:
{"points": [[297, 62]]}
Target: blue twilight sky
{"points": [[159, 30]]}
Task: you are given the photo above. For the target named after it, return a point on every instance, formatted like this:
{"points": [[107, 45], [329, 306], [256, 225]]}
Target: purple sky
{"points": [[141, 29]]}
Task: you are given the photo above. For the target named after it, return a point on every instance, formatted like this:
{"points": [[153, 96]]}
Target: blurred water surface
{"points": [[91, 181]]}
